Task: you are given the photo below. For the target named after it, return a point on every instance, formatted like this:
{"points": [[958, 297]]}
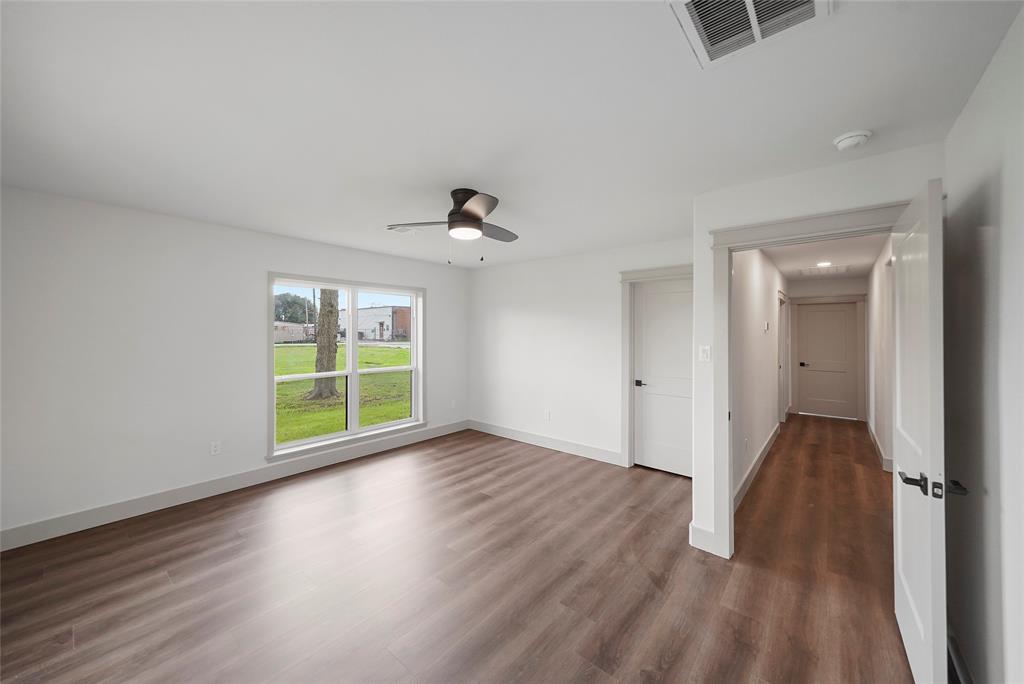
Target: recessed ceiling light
{"points": [[824, 264], [851, 139]]}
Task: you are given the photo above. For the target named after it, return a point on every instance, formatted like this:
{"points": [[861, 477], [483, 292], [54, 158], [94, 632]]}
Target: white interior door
{"points": [[827, 352], [918, 455], [663, 372]]}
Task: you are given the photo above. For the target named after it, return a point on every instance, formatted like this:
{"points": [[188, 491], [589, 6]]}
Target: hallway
{"points": [[813, 557]]}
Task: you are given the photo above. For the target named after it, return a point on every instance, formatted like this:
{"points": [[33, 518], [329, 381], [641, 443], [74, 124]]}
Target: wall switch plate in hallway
{"points": [[704, 352], [215, 448]]}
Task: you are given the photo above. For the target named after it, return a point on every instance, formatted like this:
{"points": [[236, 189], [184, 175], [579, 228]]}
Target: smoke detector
{"points": [[851, 139]]}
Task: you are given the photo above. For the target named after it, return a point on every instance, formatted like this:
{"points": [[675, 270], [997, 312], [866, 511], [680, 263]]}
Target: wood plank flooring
{"points": [[472, 558]]}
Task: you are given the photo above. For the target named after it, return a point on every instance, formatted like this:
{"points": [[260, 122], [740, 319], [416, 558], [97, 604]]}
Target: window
{"points": [[341, 370]]}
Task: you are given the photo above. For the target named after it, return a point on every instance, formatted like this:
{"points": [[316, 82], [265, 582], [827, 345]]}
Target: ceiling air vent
{"points": [[716, 28], [778, 15], [723, 25]]}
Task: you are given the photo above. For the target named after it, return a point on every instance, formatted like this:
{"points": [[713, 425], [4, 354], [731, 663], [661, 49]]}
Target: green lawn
{"points": [[290, 359], [383, 397]]}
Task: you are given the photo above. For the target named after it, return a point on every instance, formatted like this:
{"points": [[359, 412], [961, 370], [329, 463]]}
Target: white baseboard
{"points": [[886, 462], [752, 471], [595, 453], [706, 540], [101, 515]]}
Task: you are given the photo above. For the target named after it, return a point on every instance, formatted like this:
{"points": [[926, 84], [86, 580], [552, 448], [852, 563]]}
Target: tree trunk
{"points": [[326, 346]]}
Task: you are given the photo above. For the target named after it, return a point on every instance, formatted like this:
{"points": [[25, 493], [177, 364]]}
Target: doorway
{"points": [[917, 495], [660, 384]]}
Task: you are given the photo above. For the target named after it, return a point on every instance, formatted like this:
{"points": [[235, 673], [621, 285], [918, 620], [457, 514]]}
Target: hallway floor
{"points": [[813, 557]]}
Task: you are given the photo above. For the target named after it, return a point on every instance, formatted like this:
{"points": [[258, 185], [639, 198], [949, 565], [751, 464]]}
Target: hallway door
{"points": [[827, 353], [663, 372], [919, 525]]}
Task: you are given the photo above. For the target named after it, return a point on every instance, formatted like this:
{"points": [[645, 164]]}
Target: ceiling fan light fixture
{"points": [[465, 230]]}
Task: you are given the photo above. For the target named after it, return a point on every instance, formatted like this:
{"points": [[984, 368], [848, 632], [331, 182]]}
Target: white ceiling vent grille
{"points": [[723, 25], [778, 15], [717, 28]]}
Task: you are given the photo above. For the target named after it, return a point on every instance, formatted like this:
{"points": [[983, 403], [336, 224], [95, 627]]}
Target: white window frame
{"points": [[352, 373]]}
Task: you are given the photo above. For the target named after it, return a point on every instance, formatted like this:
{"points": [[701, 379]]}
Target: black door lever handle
{"points": [[919, 482], [954, 487]]}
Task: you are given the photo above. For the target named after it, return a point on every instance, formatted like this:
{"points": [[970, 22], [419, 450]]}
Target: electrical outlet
{"points": [[215, 448], [704, 352]]}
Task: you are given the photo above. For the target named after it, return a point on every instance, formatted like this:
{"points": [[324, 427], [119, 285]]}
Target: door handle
{"points": [[954, 487], [804, 363], [640, 383], [919, 482]]}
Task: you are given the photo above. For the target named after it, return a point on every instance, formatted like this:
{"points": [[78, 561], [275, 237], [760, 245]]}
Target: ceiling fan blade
{"points": [[421, 224], [479, 205], [498, 233]]}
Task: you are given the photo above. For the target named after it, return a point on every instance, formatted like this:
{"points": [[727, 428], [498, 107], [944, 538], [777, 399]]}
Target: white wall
{"points": [[880, 348], [879, 179], [826, 287], [131, 340], [985, 368], [756, 283], [547, 337]]}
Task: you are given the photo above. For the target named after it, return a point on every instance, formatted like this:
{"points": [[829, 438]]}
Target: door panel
{"points": [[828, 357], [918, 441], [663, 361]]}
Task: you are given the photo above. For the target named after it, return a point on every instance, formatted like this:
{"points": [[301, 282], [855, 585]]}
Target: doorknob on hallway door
{"points": [[640, 383], [804, 363]]}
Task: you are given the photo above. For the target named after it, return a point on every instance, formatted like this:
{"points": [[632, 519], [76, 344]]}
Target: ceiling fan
{"points": [[466, 218]]}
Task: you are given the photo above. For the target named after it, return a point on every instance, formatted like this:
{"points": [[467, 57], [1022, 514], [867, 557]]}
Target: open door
{"points": [[919, 532]]}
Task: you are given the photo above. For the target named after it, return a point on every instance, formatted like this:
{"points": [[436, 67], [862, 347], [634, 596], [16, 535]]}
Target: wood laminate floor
{"points": [[472, 558]]}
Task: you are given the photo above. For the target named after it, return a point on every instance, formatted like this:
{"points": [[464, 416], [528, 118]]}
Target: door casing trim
{"points": [[720, 537], [629, 279]]}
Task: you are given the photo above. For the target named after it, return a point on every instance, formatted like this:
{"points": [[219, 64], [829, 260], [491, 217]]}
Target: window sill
{"points": [[290, 452]]}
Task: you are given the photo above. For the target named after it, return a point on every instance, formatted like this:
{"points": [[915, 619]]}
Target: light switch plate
{"points": [[704, 352]]}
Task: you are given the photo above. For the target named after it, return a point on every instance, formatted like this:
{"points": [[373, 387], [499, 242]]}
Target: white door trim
{"points": [[663, 273], [784, 355], [865, 221], [628, 279], [720, 539]]}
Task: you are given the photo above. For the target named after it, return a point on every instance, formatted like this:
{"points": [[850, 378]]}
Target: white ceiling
{"points": [[857, 254], [591, 121]]}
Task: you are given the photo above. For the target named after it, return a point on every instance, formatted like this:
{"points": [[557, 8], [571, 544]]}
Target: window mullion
{"points": [[352, 358]]}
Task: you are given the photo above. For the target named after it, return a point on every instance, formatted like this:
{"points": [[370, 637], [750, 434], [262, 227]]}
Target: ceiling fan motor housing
{"points": [[459, 198]]}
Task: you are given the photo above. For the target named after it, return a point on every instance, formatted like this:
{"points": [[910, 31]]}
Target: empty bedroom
{"points": [[486, 342]]}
